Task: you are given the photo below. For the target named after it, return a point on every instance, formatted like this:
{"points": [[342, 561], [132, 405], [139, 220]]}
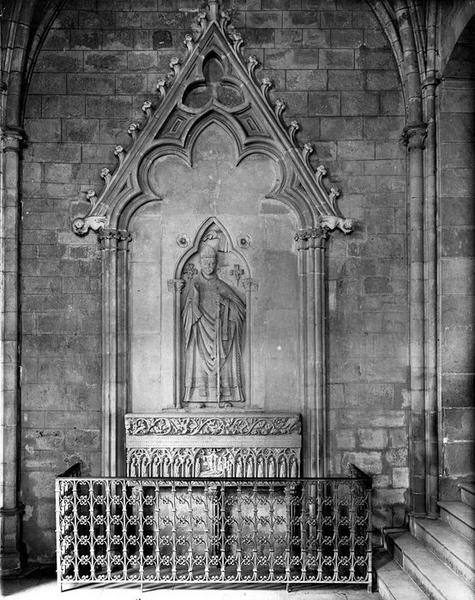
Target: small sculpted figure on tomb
{"points": [[213, 319]]}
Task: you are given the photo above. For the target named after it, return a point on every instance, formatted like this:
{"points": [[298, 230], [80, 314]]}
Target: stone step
{"points": [[460, 517], [467, 493], [394, 584], [435, 579], [453, 549]]}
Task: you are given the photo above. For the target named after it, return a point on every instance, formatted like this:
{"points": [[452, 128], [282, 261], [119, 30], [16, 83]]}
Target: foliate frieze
{"points": [[212, 425]]}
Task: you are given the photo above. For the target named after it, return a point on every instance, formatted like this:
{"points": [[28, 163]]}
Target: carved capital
{"points": [[312, 237], [414, 135], [12, 139], [110, 238]]}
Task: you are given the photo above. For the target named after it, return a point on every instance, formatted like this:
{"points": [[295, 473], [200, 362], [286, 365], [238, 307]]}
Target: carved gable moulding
{"points": [[213, 83]]}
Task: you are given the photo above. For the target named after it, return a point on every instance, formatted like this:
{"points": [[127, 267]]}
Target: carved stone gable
{"points": [[212, 83]]}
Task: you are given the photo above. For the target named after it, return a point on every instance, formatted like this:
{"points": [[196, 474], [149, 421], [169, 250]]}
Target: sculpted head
{"points": [[208, 260]]}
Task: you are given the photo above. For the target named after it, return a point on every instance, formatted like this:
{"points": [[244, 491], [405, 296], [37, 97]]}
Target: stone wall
{"points": [[332, 65], [457, 303]]}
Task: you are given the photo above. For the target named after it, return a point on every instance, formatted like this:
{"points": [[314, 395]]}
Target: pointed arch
{"points": [[208, 224]]}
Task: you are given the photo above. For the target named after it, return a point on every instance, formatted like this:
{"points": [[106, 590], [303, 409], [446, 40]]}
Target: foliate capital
{"points": [[312, 237], [413, 136], [120, 236], [12, 139]]}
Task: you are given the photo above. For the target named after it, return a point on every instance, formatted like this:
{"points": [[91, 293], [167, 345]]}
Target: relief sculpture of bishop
{"points": [[213, 322]]}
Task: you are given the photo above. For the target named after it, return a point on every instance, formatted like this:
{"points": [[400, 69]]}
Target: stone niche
{"points": [[212, 231], [217, 206], [213, 445]]}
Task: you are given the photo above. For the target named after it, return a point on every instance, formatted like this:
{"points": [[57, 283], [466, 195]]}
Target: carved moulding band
{"points": [[212, 425], [209, 441]]}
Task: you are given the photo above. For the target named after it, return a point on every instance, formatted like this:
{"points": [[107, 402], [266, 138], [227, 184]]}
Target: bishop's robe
{"points": [[213, 317]]}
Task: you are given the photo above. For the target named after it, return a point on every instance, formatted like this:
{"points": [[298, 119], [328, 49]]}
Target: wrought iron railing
{"points": [[213, 530]]}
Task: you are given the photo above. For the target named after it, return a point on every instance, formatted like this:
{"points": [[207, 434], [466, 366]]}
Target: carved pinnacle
{"points": [[213, 10]]}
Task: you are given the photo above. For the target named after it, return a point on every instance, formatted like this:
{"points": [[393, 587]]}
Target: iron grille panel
{"points": [[213, 530]]}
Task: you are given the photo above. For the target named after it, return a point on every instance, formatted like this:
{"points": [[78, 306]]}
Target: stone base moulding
{"points": [[12, 553]]}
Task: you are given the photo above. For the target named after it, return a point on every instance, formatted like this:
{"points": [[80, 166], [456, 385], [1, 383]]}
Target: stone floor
{"points": [[41, 585]]}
